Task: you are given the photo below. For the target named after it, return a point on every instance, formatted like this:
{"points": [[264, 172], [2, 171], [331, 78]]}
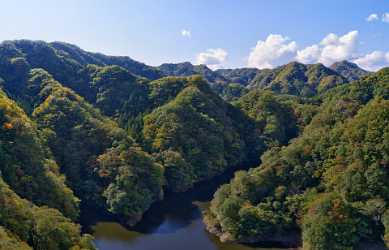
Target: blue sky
{"points": [[218, 33]]}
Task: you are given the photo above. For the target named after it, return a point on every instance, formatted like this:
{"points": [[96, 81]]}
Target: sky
{"points": [[221, 34]]}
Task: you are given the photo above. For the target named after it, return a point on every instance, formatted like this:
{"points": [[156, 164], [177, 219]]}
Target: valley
{"points": [[106, 152]]}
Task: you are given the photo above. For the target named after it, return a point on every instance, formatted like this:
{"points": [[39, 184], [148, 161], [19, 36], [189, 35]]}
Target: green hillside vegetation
{"points": [[116, 135], [298, 79], [242, 76], [349, 70], [29, 169], [23, 223], [275, 118], [230, 92], [188, 69], [199, 129], [26, 162], [82, 140], [329, 182]]}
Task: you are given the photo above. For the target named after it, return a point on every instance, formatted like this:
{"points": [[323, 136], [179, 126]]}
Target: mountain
{"points": [[330, 182], [223, 135], [242, 76], [115, 135], [226, 87], [106, 137], [84, 57], [33, 194], [349, 70], [188, 69], [68, 59], [293, 78], [297, 79]]}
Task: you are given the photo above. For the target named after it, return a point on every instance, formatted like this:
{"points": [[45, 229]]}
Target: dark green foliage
{"points": [[298, 79], [342, 151], [275, 119], [84, 58], [229, 84], [349, 70], [242, 76], [40, 227], [77, 134], [203, 130], [331, 223], [63, 60], [135, 182], [230, 92], [26, 164], [111, 89], [10, 241], [118, 135], [179, 173], [187, 69]]}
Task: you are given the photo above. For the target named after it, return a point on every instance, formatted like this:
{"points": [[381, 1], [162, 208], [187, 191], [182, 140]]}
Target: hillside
{"points": [[294, 78], [81, 130], [105, 137], [297, 79], [329, 182], [188, 69], [242, 76], [349, 70]]}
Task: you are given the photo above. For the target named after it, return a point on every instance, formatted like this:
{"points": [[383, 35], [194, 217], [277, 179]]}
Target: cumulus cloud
{"points": [[309, 54], [373, 61], [186, 33], [385, 17], [213, 58], [273, 51], [332, 48], [277, 50], [372, 17]]}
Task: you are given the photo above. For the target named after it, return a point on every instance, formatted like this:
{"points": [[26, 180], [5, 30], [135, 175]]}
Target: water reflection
{"points": [[172, 224]]}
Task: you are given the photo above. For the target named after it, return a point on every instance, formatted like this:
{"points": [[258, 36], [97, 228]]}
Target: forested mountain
{"points": [[349, 70], [29, 169], [188, 69], [242, 76], [116, 135], [330, 182], [222, 85], [114, 139], [66, 59], [294, 78], [298, 79]]}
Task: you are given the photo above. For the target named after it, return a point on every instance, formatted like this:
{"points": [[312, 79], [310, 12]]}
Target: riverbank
{"points": [[174, 223]]}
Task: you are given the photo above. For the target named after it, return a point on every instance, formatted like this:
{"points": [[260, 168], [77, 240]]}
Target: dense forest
{"points": [[81, 129]]}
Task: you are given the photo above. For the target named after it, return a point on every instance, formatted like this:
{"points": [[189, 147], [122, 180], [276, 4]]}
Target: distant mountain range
{"points": [[293, 78]]}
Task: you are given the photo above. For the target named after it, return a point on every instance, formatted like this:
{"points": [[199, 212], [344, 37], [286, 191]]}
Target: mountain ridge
{"points": [[100, 130]]}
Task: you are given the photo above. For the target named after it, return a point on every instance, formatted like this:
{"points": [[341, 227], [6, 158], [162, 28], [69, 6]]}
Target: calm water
{"points": [[172, 224]]}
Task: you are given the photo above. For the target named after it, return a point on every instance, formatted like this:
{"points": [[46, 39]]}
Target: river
{"points": [[172, 224]]}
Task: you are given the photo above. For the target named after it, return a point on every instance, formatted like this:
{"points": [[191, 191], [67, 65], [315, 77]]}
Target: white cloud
{"points": [[309, 54], [186, 33], [275, 50], [372, 17], [213, 58], [373, 61], [385, 17], [339, 48], [331, 49]]}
